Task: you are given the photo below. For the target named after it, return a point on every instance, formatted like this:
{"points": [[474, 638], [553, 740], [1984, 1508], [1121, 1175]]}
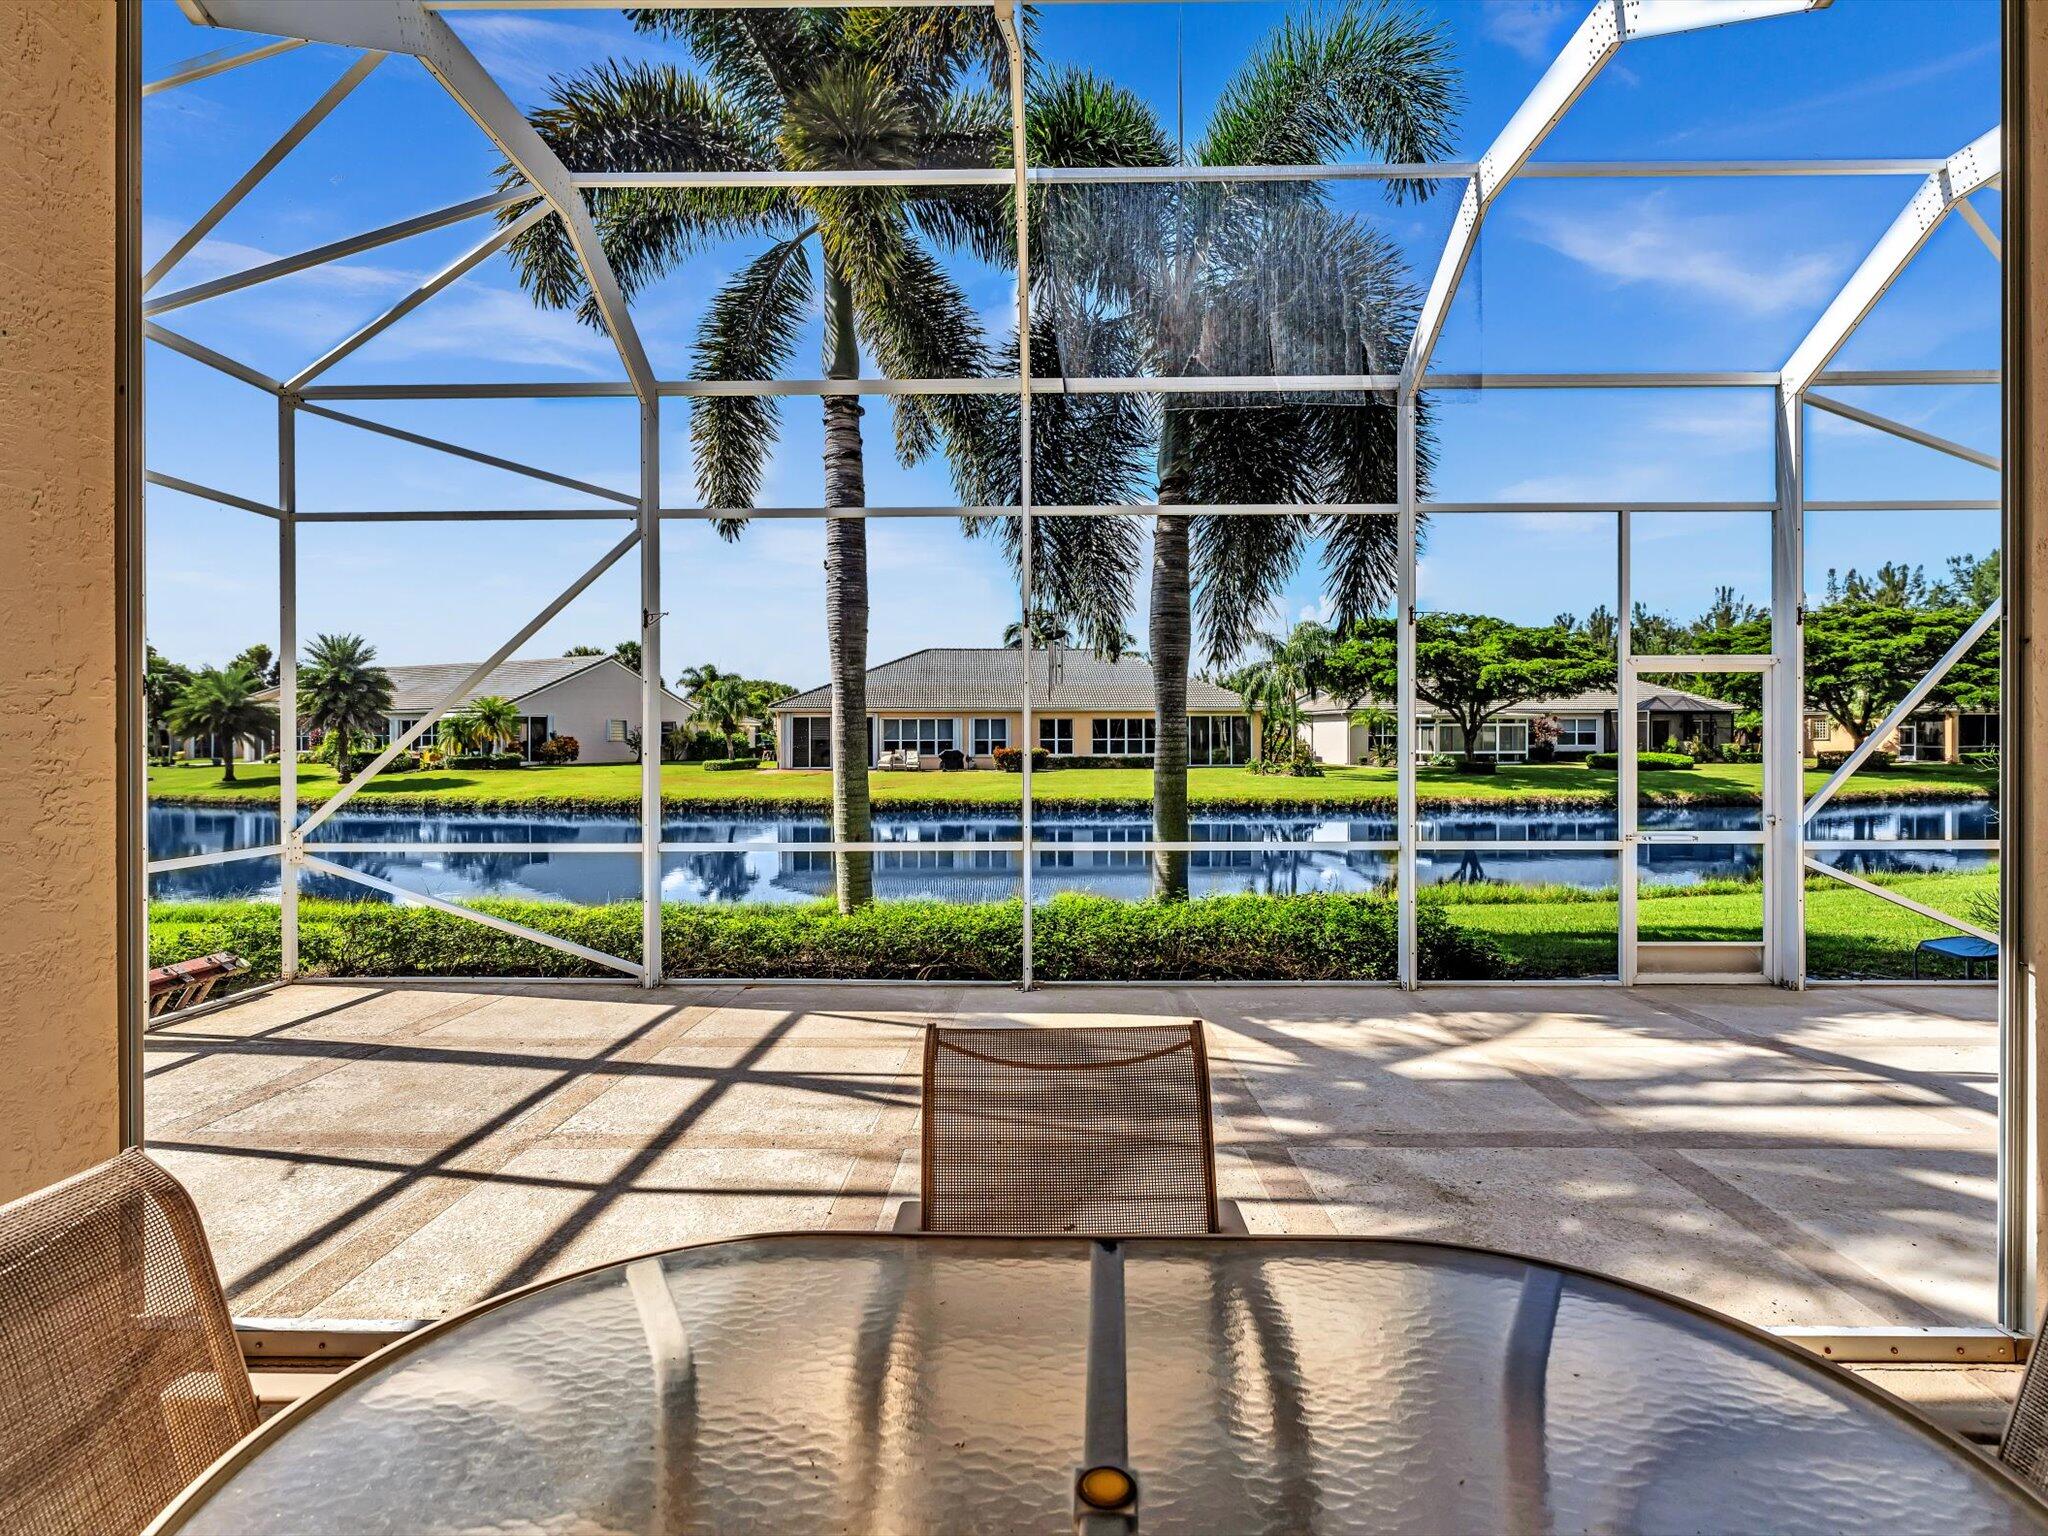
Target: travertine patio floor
{"points": [[392, 1151]]}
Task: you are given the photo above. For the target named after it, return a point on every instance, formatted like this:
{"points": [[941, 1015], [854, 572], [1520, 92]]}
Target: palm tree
{"points": [[497, 717], [162, 681], [725, 705], [586, 650], [799, 90], [1228, 279], [693, 680], [220, 703], [343, 693], [1277, 683], [463, 734]]}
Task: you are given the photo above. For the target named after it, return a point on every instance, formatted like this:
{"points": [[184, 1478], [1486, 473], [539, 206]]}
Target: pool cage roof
{"points": [[380, 28]]}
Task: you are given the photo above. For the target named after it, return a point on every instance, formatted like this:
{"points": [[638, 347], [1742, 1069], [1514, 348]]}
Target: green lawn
{"points": [[617, 785], [1564, 932]]}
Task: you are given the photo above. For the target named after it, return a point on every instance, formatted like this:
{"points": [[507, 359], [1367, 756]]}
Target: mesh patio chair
{"points": [[1098, 1131], [2024, 1445], [120, 1376]]}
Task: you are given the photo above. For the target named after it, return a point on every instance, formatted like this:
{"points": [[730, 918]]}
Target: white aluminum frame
{"points": [[414, 28]]}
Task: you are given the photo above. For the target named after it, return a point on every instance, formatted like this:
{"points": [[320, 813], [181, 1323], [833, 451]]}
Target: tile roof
{"points": [[1661, 699], [421, 688], [948, 680]]}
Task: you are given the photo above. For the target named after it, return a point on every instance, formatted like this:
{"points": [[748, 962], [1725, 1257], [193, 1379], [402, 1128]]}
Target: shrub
{"points": [[473, 760], [1983, 762], [1665, 760], [507, 760], [1732, 753], [1828, 762], [729, 764], [558, 749], [1011, 759], [1223, 938], [1086, 761], [1454, 761], [404, 762]]}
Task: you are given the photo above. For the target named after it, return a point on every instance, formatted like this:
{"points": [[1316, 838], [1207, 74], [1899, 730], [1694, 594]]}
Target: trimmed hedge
{"points": [[1643, 760], [1217, 938], [1830, 761]]}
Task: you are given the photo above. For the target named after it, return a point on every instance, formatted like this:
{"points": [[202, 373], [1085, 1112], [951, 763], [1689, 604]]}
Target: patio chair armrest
{"points": [[909, 1217]]}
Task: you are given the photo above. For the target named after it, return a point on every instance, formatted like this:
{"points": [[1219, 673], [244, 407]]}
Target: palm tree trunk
{"points": [[1171, 626], [846, 602]]}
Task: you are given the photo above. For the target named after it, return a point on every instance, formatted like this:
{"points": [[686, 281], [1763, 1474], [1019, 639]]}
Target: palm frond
{"points": [[1371, 77], [643, 117], [747, 334], [759, 56]]}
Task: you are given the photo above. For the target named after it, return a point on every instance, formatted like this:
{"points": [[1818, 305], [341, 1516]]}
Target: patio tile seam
{"points": [[395, 1218], [347, 1053]]}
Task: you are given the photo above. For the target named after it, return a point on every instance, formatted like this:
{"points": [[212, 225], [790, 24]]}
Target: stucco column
{"points": [[2024, 697], [61, 796]]}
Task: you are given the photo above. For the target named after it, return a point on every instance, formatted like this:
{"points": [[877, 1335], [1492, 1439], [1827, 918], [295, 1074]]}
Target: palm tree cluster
{"points": [[1225, 279], [344, 697]]}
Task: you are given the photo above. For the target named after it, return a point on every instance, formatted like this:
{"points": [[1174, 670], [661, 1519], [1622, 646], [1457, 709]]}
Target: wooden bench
{"points": [[188, 983]]}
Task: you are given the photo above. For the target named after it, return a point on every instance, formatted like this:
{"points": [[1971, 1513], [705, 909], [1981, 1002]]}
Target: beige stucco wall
{"points": [[582, 705], [59, 1000]]}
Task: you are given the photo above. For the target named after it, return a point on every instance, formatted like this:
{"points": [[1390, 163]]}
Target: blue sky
{"points": [[1584, 275]]}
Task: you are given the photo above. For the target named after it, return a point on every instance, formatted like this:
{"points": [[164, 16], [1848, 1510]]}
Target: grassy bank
{"points": [[1557, 931], [1465, 932], [686, 786]]}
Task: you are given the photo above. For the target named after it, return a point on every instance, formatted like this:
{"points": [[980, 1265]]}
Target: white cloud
{"points": [[525, 53], [1708, 257], [1529, 27]]}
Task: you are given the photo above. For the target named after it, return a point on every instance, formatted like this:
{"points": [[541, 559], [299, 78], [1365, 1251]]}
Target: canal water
{"points": [[1274, 852]]}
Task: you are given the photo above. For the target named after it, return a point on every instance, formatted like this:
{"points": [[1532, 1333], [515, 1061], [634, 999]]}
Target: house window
{"points": [[1977, 733], [1219, 740], [533, 730], [931, 735], [615, 730], [1124, 736], [1056, 735], [810, 741], [990, 735], [1578, 733]]}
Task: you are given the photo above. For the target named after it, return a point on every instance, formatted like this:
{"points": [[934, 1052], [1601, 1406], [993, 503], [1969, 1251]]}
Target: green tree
{"points": [[463, 733], [725, 705], [499, 718], [1291, 670], [586, 650], [693, 680], [1863, 658], [261, 661], [1972, 582], [627, 653], [799, 90], [220, 703], [1469, 667], [343, 693], [1226, 279], [162, 682]]}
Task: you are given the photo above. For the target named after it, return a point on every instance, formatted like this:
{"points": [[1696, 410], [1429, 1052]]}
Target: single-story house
{"points": [[595, 699], [1666, 718], [947, 699], [1928, 735]]}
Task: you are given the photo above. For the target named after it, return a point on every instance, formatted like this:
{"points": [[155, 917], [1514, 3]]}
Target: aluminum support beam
{"points": [[1626, 878], [1408, 971], [1983, 230], [1964, 172], [206, 65], [650, 692], [474, 257], [462, 690], [475, 456], [1899, 429], [287, 690], [1020, 159], [1608, 25], [1899, 711], [408, 27], [336, 250], [208, 493], [199, 352], [313, 116], [1784, 708]]}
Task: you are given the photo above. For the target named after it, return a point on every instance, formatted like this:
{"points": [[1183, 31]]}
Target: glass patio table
{"points": [[863, 1383]]}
